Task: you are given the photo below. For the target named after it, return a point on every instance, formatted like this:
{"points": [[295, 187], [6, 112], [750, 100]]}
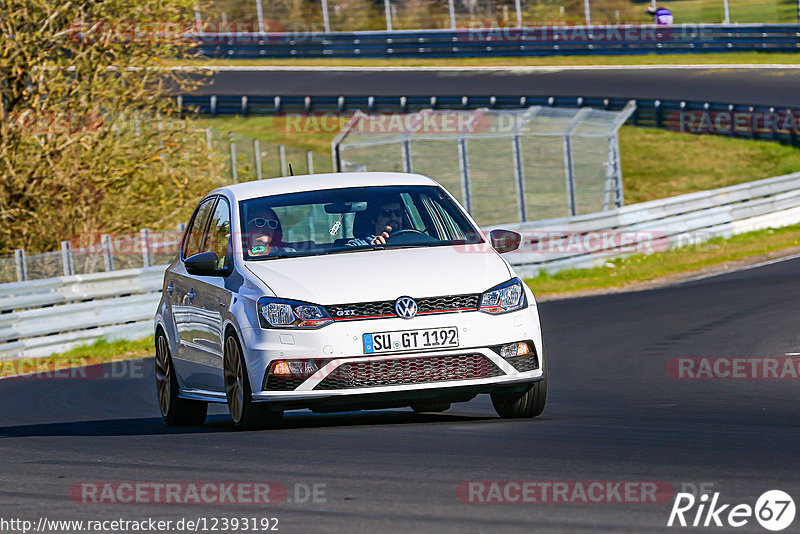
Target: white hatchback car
{"points": [[338, 292]]}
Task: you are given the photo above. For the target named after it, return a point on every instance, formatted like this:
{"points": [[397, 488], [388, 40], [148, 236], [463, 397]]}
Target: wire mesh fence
{"points": [[309, 16], [502, 165]]}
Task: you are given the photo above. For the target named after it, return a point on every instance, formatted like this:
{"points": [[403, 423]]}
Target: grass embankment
{"points": [[713, 255], [733, 58], [101, 351]]}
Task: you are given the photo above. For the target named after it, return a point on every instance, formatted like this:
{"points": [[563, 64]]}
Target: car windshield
{"points": [[351, 220]]}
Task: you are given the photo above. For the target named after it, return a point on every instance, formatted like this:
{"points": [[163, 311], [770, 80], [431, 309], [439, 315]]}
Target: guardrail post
{"points": [[282, 154], [234, 163], [66, 258], [257, 153], [657, 105], [519, 175], [108, 252], [244, 105], [463, 165], [310, 161], [213, 105], [147, 253], [22, 265]]}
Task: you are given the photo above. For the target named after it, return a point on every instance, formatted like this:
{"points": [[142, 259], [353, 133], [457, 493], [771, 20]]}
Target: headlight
{"points": [[282, 313], [506, 297]]}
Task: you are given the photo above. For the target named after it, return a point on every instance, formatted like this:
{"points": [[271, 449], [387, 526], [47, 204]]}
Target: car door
{"points": [[210, 302], [183, 295]]}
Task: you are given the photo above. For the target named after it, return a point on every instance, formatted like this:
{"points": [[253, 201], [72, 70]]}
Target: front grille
{"points": [[402, 371], [385, 309], [528, 362]]}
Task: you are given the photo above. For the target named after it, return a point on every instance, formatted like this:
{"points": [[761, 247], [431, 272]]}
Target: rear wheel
{"points": [[518, 404], [175, 411], [246, 414]]}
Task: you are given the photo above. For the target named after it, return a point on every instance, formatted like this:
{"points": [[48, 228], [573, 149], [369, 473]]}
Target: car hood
{"points": [[373, 275]]}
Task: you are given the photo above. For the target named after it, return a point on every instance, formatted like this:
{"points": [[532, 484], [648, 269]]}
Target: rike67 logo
{"points": [[774, 510]]}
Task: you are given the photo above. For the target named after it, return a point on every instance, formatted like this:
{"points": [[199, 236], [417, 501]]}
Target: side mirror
{"points": [[505, 240], [203, 264]]}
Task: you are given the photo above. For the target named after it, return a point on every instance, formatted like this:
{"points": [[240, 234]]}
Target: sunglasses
{"points": [[260, 222], [388, 212]]}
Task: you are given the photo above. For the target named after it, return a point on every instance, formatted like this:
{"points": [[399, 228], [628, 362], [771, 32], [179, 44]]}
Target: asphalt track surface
{"points": [[614, 414], [757, 86]]}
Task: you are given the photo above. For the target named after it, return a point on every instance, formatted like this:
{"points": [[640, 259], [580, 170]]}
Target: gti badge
{"points": [[405, 307]]}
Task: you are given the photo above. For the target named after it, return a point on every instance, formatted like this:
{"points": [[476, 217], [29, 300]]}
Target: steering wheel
{"points": [[409, 235]]}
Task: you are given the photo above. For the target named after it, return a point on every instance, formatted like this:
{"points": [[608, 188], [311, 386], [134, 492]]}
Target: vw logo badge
{"points": [[405, 307]]}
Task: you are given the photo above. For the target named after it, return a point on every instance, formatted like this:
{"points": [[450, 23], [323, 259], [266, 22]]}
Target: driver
{"points": [[265, 235], [387, 219]]}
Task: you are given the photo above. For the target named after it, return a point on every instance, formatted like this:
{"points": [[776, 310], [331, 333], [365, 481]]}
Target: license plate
{"points": [[430, 338]]}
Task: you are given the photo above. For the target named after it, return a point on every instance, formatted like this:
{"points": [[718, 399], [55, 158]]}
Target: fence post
{"points": [[620, 200], [405, 152], [310, 161], [569, 170], [588, 12], [260, 15], [234, 165], [22, 265], [463, 165], [257, 153], [325, 20], [208, 139], [453, 14], [727, 12], [282, 154], [66, 258], [147, 253], [519, 175], [518, 5], [388, 10], [108, 252]]}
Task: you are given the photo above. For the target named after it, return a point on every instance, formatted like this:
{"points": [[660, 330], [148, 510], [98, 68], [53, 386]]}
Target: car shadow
{"points": [[146, 426]]}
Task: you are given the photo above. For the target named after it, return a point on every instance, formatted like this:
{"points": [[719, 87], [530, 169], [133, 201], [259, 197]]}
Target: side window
{"points": [[219, 233], [194, 234]]}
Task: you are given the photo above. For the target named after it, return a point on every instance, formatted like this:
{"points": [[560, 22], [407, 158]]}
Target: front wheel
{"points": [[520, 404], [174, 410], [246, 414]]}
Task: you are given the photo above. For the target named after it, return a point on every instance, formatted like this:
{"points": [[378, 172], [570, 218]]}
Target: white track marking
{"points": [[478, 68], [746, 268]]}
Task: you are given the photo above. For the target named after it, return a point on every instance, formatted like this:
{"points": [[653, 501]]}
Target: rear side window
{"points": [[194, 234]]}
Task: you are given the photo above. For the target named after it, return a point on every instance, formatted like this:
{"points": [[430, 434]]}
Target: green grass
{"points": [[648, 267], [101, 351], [742, 11], [642, 59]]}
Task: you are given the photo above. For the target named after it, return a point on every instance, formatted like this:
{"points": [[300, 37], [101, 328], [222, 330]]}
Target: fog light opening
{"points": [[294, 368], [512, 350]]}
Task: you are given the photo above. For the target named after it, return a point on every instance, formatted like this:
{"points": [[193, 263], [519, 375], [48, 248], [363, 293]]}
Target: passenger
{"points": [[265, 235]]}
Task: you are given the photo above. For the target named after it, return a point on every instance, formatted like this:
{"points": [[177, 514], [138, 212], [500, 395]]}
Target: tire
{"points": [[246, 414], [174, 410], [522, 404], [431, 407]]}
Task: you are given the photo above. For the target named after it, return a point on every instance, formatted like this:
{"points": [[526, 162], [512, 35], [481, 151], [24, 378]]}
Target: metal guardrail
{"points": [[530, 41], [716, 118], [591, 240], [40, 317]]}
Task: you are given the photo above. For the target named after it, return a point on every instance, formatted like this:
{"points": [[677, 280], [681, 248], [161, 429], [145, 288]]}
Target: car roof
{"points": [[314, 182]]}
